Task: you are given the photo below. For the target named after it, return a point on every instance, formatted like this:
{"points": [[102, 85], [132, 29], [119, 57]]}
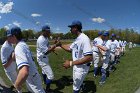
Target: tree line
{"points": [[124, 34]]}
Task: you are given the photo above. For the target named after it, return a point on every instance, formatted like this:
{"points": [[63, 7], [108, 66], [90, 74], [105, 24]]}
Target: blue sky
{"points": [[94, 14]]}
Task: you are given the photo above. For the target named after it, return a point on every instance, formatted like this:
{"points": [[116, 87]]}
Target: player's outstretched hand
{"points": [[58, 43], [66, 64]]}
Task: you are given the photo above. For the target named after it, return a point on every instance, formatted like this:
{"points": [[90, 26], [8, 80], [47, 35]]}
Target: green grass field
{"points": [[126, 78]]}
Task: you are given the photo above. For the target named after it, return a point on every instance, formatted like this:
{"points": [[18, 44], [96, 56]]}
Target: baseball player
{"points": [[96, 52], [81, 53], [105, 47], [130, 46], [27, 71], [113, 49], [7, 59], [134, 45], [120, 44], [43, 49], [124, 43], [118, 50]]}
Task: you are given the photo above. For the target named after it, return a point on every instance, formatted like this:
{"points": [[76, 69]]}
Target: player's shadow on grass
{"points": [[89, 87], [61, 83], [4, 89]]}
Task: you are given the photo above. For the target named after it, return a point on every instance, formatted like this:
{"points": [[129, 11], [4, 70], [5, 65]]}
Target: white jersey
{"points": [[81, 47], [107, 44], [6, 51], [124, 43], [24, 57], [114, 45], [130, 44], [96, 41], [120, 43], [42, 48]]}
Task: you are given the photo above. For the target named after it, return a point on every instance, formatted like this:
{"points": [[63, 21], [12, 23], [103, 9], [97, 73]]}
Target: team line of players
{"points": [[103, 49]]}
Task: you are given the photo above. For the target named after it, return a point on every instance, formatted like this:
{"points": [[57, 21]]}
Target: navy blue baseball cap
{"points": [[100, 33], [46, 28], [76, 23], [15, 30], [106, 34]]}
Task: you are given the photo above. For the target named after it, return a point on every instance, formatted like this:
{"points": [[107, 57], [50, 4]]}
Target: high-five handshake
{"points": [[27, 71]]}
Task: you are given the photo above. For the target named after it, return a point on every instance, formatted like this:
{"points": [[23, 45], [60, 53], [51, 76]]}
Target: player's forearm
{"points": [[50, 49], [9, 61], [102, 48], [22, 76], [84, 60], [66, 48]]}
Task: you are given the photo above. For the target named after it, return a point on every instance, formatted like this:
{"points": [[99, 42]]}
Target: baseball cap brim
{"points": [[71, 26], [105, 34], [46, 29], [9, 35]]}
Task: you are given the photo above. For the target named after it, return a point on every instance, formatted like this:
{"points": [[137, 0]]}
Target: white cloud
{"points": [[48, 23], [26, 29], [57, 29], [6, 8], [16, 23], [37, 23], [132, 27], [6, 27], [36, 15], [0, 17], [98, 20], [9, 24]]}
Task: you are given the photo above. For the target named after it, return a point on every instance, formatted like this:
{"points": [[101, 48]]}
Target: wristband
{"points": [[71, 63]]}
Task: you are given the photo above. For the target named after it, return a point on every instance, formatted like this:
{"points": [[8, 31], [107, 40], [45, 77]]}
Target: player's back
{"points": [[25, 57]]}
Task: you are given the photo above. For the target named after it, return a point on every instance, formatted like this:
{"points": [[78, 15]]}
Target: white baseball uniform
{"points": [[106, 55], [123, 45], [121, 49], [130, 45], [80, 48], [42, 59], [6, 51], [96, 41], [118, 48], [24, 58], [113, 47]]}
